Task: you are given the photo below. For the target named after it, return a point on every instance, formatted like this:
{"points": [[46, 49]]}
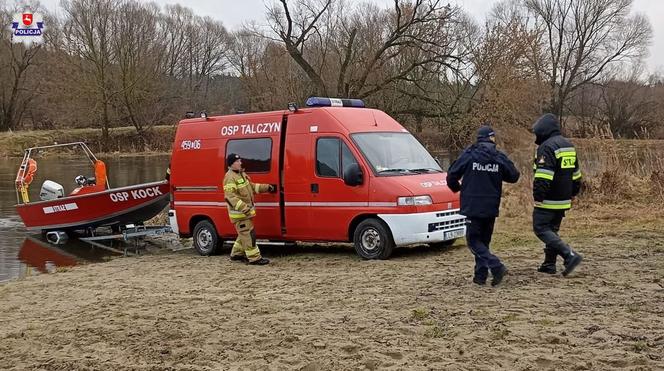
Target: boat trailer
{"points": [[130, 233]]}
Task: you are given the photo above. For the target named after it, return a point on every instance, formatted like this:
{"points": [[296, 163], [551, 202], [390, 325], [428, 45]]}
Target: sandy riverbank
{"points": [[323, 308]]}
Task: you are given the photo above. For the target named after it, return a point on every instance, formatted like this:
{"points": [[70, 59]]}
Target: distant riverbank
{"points": [[124, 140], [159, 140]]}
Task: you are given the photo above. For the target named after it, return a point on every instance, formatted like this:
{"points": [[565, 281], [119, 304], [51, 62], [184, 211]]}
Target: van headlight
{"points": [[414, 200]]}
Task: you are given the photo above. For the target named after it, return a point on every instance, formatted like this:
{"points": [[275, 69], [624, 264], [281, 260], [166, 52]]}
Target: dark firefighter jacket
{"points": [[557, 175]]}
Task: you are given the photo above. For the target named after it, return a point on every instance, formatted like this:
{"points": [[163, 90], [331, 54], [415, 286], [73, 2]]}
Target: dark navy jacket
{"points": [[483, 169]]}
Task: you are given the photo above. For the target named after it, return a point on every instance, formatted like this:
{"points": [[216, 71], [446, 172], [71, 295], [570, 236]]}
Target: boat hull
{"points": [[133, 204]]}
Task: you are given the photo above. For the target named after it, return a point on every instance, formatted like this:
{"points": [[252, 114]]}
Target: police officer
{"points": [[557, 180], [483, 169], [239, 193]]}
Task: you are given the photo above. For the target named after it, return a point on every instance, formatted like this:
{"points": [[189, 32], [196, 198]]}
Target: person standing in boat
{"points": [[239, 194]]}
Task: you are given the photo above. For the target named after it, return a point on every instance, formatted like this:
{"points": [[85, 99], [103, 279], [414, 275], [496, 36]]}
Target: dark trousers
{"points": [[478, 236], [546, 224]]}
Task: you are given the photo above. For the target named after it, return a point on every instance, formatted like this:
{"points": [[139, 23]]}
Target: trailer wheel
{"points": [[206, 239], [373, 240], [442, 244]]}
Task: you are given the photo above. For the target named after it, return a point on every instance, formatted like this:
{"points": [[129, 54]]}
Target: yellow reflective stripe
{"points": [[554, 205], [239, 205], [251, 212], [257, 188], [576, 175], [544, 174], [253, 253], [230, 187], [566, 154]]}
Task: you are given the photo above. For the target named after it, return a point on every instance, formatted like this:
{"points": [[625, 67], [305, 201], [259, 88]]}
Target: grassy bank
{"points": [[122, 140]]}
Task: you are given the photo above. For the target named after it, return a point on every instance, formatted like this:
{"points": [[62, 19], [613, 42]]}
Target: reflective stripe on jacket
{"points": [[239, 194]]}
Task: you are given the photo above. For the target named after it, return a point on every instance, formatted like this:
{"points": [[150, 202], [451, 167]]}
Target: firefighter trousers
{"points": [[245, 244], [546, 224]]}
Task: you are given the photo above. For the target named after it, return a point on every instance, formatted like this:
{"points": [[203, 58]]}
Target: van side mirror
{"points": [[353, 175]]}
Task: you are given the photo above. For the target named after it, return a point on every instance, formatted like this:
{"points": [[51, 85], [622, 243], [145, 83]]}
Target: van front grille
{"points": [[458, 221]]}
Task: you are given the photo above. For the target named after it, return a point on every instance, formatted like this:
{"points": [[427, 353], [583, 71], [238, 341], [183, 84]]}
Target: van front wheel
{"points": [[206, 238], [373, 240]]}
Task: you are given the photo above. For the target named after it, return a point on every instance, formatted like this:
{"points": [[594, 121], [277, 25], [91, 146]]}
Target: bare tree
{"points": [[580, 39], [89, 28], [139, 60], [371, 49], [505, 58], [16, 62], [205, 57]]}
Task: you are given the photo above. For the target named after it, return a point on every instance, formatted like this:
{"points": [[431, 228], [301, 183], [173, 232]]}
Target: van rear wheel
{"points": [[206, 239], [373, 240]]}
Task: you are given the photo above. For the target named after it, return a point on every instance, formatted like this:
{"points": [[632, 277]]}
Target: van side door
{"points": [[260, 158], [334, 204]]}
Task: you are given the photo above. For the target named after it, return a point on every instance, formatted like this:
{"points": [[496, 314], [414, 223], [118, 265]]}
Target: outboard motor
{"points": [[51, 190]]}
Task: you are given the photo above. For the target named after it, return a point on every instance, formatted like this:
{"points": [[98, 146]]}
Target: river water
{"points": [[22, 253]]}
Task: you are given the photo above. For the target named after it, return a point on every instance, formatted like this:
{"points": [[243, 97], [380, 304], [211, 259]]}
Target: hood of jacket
{"points": [[546, 127]]}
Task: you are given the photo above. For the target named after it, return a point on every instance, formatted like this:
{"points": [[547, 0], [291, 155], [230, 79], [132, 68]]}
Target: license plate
{"points": [[450, 235]]}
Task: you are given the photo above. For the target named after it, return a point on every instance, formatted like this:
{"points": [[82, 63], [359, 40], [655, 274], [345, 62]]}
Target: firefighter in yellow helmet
{"points": [[239, 194]]}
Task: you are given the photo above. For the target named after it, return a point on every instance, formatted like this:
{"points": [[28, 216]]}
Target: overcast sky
{"points": [[234, 13]]}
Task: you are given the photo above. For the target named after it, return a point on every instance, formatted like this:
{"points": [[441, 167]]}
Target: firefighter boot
{"points": [[571, 262], [241, 258], [498, 275], [549, 264], [261, 261]]}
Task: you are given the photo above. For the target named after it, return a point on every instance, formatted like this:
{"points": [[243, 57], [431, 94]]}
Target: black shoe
{"points": [[547, 269], [498, 276], [261, 261], [572, 263], [240, 258], [479, 281]]}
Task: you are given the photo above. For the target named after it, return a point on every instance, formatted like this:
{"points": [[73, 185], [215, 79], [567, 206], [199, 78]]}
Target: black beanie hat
{"points": [[232, 157], [485, 131]]}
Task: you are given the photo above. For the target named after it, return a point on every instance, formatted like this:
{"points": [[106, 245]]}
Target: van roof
{"points": [[353, 119]]}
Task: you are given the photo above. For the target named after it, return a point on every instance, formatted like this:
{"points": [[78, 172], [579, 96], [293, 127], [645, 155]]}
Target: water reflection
{"points": [[37, 255]]}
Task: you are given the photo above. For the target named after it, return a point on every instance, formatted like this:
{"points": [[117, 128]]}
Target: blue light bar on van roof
{"points": [[334, 102]]}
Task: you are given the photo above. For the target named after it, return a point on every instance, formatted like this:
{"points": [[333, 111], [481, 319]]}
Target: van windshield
{"points": [[395, 153]]}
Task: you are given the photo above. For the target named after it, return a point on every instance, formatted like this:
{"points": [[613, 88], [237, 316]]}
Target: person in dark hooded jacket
{"points": [[557, 180], [482, 169]]}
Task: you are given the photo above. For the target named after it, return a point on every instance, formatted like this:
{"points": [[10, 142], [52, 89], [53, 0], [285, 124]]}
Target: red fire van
{"points": [[344, 173]]}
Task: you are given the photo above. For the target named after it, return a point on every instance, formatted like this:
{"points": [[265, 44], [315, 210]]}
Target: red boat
{"points": [[92, 204]]}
